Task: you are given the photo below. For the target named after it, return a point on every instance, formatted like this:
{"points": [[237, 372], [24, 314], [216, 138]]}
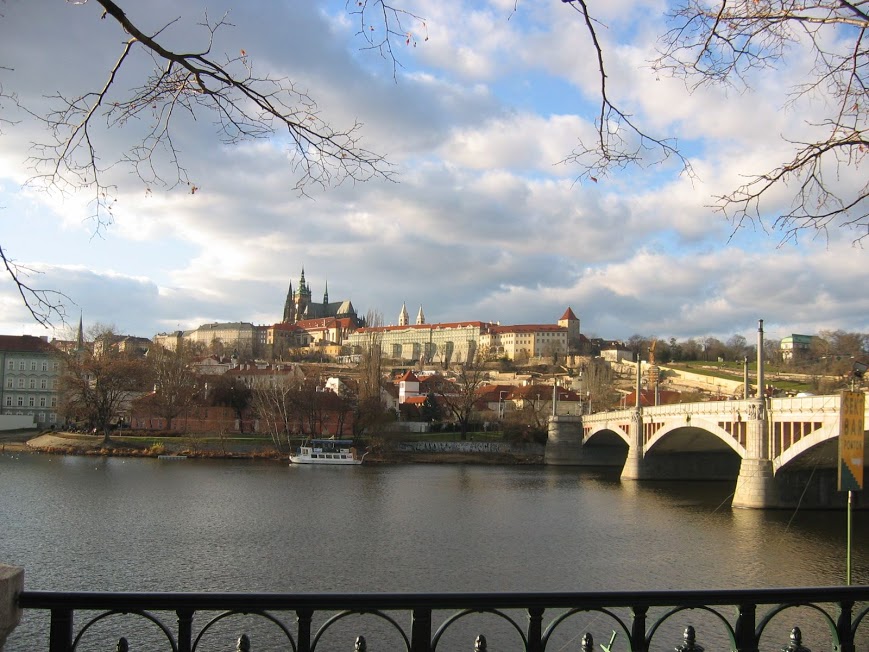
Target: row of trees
{"points": [[827, 347], [98, 386]]}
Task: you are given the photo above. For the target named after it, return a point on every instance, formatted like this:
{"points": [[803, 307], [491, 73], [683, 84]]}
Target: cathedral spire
{"points": [[289, 307], [326, 295], [79, 336], [420, 316], [403, 317]]}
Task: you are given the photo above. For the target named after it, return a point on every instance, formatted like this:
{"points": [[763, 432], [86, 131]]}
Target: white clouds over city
{"points": [[482, 221]]}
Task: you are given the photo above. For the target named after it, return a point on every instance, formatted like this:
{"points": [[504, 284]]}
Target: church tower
{"points": [[420, 317], [571, 322], [79, 336], [303, 297], [289, 307], [403, 317], [326, 295]]}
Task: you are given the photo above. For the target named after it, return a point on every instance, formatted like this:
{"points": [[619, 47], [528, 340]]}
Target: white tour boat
{"points": [[327, 451]]}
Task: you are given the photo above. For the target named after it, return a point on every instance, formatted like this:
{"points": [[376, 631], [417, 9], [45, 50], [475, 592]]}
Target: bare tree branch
{"points": [[729, 43], [389, 23], [243, 105], [619, 142], [43, 305]]}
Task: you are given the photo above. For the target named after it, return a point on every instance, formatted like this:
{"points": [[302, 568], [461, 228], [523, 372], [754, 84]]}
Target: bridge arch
{"points": [[606, 428], [697, 424], [826, 432]]}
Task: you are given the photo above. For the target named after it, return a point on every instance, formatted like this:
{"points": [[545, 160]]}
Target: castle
{"points": [[300, 307]]}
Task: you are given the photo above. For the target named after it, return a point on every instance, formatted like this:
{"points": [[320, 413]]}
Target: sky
{"points": [[482, 219]]}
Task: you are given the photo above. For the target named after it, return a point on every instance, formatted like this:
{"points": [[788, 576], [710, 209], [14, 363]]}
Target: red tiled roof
{"points": [[285, 327], [492, 393], [25, 344], [544, 392], [568, 314], [409, 377], [456, 324], [322, 322], [528, 328]]}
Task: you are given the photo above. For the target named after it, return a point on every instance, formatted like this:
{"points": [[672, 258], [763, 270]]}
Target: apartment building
{"points": [[523, 342], [30, 370], [452, 342]]}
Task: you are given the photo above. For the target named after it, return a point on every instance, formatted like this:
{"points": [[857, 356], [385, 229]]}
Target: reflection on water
{"points": [[81, 523]]}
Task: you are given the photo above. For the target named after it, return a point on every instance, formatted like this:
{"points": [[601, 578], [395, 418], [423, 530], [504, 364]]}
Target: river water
{"points": [[118, 524]]}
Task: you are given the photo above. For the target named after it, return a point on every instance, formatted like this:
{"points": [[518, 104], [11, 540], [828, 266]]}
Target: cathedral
{"points": [[299, 305]]}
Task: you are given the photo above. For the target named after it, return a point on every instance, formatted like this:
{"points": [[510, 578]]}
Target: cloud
{"points": [[481, 221]]}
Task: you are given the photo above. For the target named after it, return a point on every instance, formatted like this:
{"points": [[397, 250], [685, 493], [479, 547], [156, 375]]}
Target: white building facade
{"points": [[30, 371]]}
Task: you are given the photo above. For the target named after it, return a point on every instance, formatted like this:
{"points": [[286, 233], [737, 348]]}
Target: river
{"points": [[121, 524]]}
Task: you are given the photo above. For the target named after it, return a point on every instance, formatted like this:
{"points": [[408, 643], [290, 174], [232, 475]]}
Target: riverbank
{"points": [[65, 443]]}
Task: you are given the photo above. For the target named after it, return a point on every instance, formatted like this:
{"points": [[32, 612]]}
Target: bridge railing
{"points": [[641, 620], [816, 405], [717, 409]]}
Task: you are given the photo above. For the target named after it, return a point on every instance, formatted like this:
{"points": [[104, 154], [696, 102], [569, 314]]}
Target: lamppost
{"points": [[581, 369]]}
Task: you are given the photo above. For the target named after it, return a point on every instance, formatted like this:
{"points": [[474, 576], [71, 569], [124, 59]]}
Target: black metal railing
{"points": [[639, 621]]}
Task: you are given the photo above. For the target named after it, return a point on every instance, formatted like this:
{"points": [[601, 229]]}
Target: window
{"points": [[40, 416], [33, 383], [11, 365], [8, 383], [42, 401], [20, 401], [22, 366], [44, 365], [21, 383], [33, 365], [8, 401], [55, 366], [53, 401], [43, 384], [31, 401]]}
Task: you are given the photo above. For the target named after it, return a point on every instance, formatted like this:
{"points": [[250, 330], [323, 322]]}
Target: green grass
{"points": [[734, 371]]}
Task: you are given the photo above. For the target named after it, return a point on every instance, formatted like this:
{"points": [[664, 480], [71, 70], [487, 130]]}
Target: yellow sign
{"points": [[851, 437]]}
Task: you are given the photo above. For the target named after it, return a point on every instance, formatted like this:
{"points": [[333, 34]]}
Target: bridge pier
{"points": [[564, 441], [755, 485], [635, 467]]}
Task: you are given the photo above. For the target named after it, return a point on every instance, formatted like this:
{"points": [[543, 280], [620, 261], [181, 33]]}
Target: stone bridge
{"points": [[772, 448]]}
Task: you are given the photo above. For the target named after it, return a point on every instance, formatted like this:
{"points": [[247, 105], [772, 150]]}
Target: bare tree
{"points": [[371, 360], [273, 405], [459, 396], [726, 43], [196, 82], [230, 391], [97, 386], [175, 384], [369, 409]]}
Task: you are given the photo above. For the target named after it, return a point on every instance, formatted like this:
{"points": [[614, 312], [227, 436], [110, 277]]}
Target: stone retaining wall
{"points": [[469, 447]]}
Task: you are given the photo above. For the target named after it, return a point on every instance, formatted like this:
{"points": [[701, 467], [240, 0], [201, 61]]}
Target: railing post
{"points": [[60, 632], [746, 639], [185, 629], [303, 617], [843, 627], [535, 629], [11, 584], [420, 630], [638, 629]]}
